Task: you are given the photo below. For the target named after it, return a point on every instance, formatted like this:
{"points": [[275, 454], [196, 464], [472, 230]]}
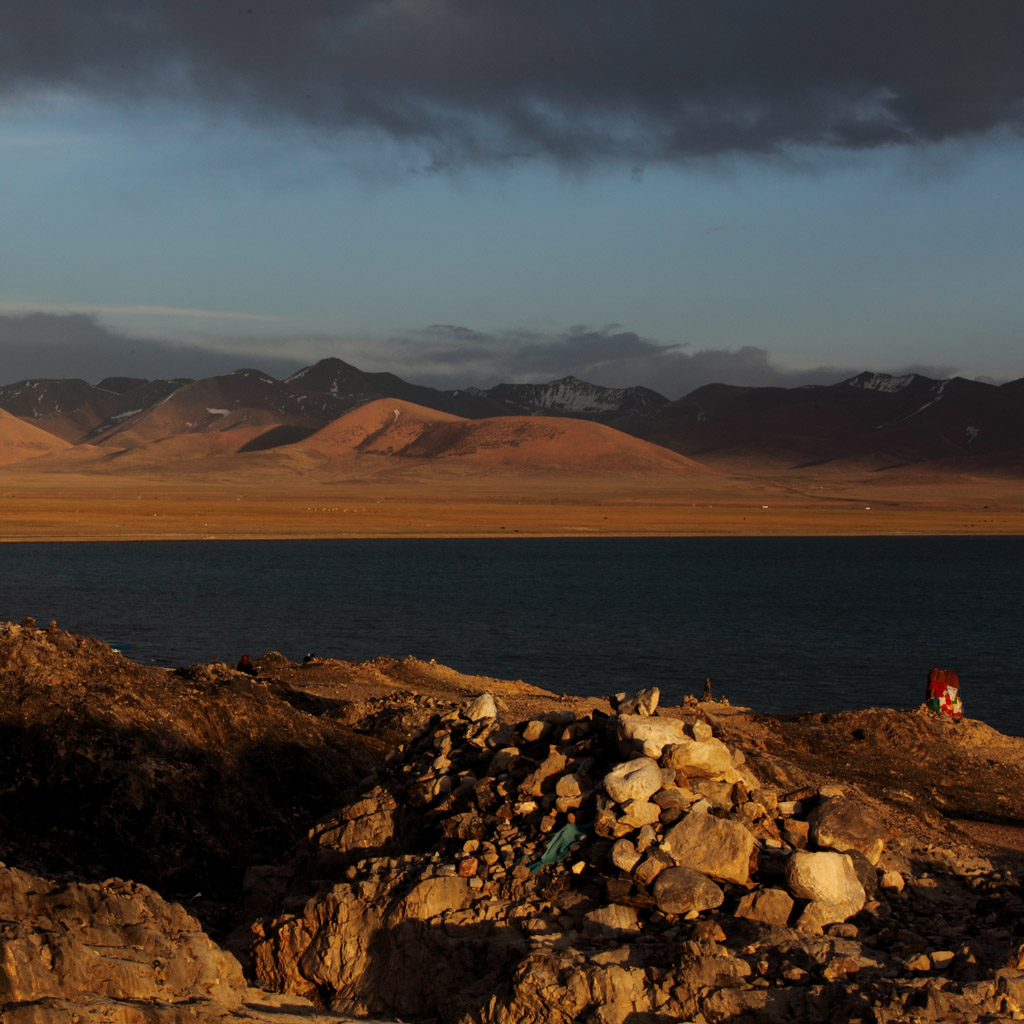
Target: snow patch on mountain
{"points": [[881, 382], [571, 396]]}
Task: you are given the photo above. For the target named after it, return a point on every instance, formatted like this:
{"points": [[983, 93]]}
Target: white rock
{"points": [[482, 707], [651, 734], [638, 779], [826, 877]]}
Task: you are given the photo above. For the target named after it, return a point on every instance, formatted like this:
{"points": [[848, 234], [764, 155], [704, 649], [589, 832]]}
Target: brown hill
{"points": [[20, 441], [76, 411], [243, 398], [522, 444]]}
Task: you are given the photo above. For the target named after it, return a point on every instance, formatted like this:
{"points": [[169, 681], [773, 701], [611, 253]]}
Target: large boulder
{"points": [[638, 779], [771, 906], [651, 734], [707, 758], [841, 824], [716, 848], [681, 890], [828, 878]]}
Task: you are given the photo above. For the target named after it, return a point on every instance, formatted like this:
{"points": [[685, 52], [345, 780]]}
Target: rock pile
{"points": [[614, 867]]}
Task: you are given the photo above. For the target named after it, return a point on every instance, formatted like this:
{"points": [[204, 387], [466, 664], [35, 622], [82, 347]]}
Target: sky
{"points": [[463, 192]]}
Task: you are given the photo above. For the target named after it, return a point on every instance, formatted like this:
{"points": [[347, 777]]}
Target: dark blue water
{"points": [[779, 624]]}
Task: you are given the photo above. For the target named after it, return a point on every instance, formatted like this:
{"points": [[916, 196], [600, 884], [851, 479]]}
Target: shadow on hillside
{"points": [[277, 437], [86, 799]]}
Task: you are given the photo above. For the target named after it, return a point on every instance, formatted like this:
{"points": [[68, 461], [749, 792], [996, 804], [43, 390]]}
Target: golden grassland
{"points": [[96, 508]]}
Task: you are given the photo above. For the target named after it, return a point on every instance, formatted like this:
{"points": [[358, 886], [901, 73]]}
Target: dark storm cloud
{"points": [[575, 81], [447, 356], [76, 345]]}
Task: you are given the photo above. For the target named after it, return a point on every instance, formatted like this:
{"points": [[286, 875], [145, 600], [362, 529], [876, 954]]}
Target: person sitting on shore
{"points": [[245, 665]]}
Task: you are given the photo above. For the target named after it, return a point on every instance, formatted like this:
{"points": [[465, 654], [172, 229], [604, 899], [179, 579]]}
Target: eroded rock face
{"points": [[117, 952], [178, 779]]}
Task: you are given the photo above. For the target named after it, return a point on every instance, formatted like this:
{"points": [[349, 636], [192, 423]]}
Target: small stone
{"points": [[651, 866], [624, 855], [643, 702], [646, 838], [535, 730], [568, 786], [772, 906], [468, 867], [942, 958], [701, 730], [841, 824], [892, 881], [637, 813], [918, 962], [613, 919], [829, 878], [708, 931]]}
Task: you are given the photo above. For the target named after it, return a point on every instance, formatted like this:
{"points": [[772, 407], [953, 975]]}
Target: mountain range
{"points": [[332, 410]]}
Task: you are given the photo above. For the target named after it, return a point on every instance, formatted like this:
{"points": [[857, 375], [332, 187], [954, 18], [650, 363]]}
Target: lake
{"points": [[779, 624]]}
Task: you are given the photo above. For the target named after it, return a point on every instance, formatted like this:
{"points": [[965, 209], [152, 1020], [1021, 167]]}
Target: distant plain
{"points": [[79, 507]]}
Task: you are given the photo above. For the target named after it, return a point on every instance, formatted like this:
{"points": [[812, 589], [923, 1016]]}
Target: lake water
{"points": [[779, 624]]}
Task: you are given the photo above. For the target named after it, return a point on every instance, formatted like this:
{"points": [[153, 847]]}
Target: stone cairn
{"points": [[664, 812], [569, 868]]}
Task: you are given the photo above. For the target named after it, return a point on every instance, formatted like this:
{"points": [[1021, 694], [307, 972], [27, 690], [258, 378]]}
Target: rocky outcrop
{"points": [[557, 870], [177, 779], [558, 863], [118, 953]]}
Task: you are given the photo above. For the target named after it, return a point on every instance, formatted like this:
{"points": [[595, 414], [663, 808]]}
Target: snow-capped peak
{"points": [[881, 382]]}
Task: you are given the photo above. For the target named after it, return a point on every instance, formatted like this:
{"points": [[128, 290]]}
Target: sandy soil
{"points": [[82, 506], [101, 510]]}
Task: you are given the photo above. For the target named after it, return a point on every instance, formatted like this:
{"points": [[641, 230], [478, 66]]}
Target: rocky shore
{"points": [[392, 840]]}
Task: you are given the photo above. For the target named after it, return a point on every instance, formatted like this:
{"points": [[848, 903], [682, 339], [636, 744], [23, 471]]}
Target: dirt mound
{"points": [[20, 440], [923, 769], [176, 779], [410, 432]]}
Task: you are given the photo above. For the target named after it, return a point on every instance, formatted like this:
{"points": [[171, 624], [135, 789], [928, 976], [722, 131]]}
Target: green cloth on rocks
{"points": [[559, 846]]}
